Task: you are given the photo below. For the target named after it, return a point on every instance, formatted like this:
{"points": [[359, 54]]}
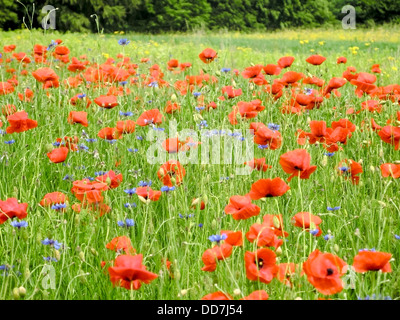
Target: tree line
{"points": [[186, 15]]}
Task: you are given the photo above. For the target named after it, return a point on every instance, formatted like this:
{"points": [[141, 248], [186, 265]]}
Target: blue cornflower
{"points": [[328, 237], [217, 238], [3, 132], [123, 42], [19, 224], [132, 150], [186, 216], [265, 146], [50, 259], [56, 144], [83, 147], [81, 96], [197, 94], [130, 191], [52, 243], [100, 173], [167, 189], [91, 140], [126, 114], [200, 225], [127, 223], [157, 129], [199, 108], [130, 205], [9, 141], [145, 183], [139, 137], [308, 91], [89, 178], [51, 45], [329, 154], [273, 126], [225, 69], [111, 141], [68, 177], [314, 232], [203, 124], [153, 84], [344, 169], [59, 206], [122, 83], [333, 209], [397, 237]]}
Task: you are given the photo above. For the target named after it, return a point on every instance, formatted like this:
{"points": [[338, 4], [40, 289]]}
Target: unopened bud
{"points": [[336, 248], [16, 294], [184, 292], [82, 256], [173, 97], [22, 291], [237, 292]]}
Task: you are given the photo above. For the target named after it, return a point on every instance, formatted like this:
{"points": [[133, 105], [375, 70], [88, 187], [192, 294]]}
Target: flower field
{"points": [[195, 166]]}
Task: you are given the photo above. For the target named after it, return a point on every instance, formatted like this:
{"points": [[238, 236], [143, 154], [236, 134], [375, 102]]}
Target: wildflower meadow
{"points": [[200, 166]]}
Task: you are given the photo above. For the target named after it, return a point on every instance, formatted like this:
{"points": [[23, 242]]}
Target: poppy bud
{"points": [[308, 120], [214, 224], [324, 161], [94, 252], [205, 199], [336, 248], [197, 117], [83, 276], [397, 162], [278, 251], [173, 97], [22, 291], [144, 200], [251, 86], [381, 153], [76, 220], [57, 254], [298, 298], [237, 292], [372, 168], [48, 147], [276, 222], [233, 83], [82, 256], [16, 294], [357, 232], [183, 292], [177, 275], [382, 204], [27, 274], [195, 202]]}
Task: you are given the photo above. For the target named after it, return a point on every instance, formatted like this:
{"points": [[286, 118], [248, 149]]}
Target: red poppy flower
{"points": [[207, 55], [19, 122], [47, 76], [153, 116], [257, 295], [9, 48], [173, 145], [173, 63], [6, 88], [286, 270], [246, 110], [265, 236], [148, 193], [52, 198], [258, 164], [391, 135], [88, 191], [58, 155], [111, 179], [272, 69], [375, 68], [341, 60], [350, 169], [297, 163], [122, 243], [211, 256], [170, 108], [219, 295], [390, 169], [285, 62], [266, 188], [107, 102], [235, 238], [323, 271], [11, 208], [109, 134], [78, 117], [261, 265], [171, 172], [265, 136], [241, 208], [26, 96], [315, 59], [231, 92], [127, 126], [307, 221], [129, 272], [252, 72], [275, 222], [292, 77], [372, 261], [76, 65]]}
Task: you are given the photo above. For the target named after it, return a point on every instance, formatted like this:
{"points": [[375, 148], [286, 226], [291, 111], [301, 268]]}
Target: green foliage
{"points": [[184, 15]]}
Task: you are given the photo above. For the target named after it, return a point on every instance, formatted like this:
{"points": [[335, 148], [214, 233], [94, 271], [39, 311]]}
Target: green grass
{"points": [[369, 214]]}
